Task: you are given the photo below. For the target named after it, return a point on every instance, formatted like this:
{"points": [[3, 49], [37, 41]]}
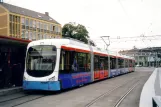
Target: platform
{"points": [[10, 91], [151, 90]]}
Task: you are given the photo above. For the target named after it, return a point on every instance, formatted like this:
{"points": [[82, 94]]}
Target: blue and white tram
{"points": [[55, 64]]}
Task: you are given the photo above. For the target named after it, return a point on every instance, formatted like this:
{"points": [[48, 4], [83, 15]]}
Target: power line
{"points": [[118, 38]]}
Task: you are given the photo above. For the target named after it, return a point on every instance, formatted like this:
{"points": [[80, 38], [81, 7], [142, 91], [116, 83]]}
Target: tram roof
{"points": [[76, 44]]}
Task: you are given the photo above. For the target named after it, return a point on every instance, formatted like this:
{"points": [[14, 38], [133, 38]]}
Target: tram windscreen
{"points": [[41, 60]]}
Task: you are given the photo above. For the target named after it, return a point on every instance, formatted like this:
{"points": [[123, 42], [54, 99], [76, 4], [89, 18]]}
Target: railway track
{"points": [[124, 96], [19, 99], [110, 92]]}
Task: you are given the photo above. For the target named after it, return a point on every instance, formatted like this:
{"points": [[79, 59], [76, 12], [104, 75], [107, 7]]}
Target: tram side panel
{"points": [[74, 69]]}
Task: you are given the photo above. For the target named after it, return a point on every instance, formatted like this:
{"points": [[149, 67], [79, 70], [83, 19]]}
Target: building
{"points": [[146, 56], [18, 27], [27, 24]]}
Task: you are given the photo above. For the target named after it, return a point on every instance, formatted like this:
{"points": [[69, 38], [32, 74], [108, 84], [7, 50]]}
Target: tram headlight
{"points": [[52, 78]]}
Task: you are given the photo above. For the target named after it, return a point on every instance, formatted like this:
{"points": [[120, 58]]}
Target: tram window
{"points": [[82, 61], [71, 61], [102, 63], [41, 60], [126, 63], [96, 62], [120, 63], [65, 62], [134, 63], [123, 63], [106, 63], [88, 65], [113, 63], [130, 63]]}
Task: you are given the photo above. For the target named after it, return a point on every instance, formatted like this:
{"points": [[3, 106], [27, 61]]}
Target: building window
{"points": [[18, 19], [45, 28], [31, 22], [38, 24], [34, 23], [11, 26], [44, 36], [41, 27], [38, 36], [56, 29], [23, 34], [47, 36], [51, 27], [30, 35], [26, 35], [48, 28], [16, 26], [23, 21], [11, 18], [59, 30], [23, 26], [27, 22], [52, 36], [34, 36]]}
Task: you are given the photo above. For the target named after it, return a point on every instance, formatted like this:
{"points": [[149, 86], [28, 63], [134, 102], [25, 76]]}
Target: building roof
{"points": [[151, 49], [27, 12], [10, 40]]}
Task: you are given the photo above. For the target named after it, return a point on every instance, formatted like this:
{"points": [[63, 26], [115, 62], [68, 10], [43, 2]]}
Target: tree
{"points": [[75, 31]]}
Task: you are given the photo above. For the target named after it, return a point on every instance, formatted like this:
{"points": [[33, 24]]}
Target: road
{"points": [[122, 91]]}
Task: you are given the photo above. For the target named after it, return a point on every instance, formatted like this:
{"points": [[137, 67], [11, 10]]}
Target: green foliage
{"points": [[75, 31]]}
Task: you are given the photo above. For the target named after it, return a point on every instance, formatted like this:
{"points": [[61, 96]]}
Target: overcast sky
{"points": [[124, 18]]}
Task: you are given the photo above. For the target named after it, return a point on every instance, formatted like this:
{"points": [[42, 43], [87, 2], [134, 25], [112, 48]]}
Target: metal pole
{"points": [[156, 59], [92, 61], [107, 53], [149, 59], [138, 60]]}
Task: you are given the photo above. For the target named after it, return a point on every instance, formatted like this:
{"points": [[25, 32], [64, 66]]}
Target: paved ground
{"points": [[100, 94]]}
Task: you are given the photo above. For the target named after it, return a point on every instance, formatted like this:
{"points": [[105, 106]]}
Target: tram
{"points": [[57, 64]]}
